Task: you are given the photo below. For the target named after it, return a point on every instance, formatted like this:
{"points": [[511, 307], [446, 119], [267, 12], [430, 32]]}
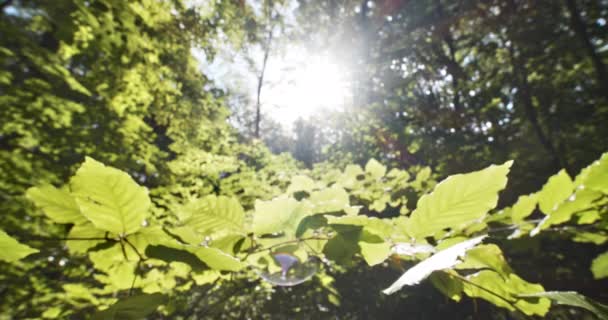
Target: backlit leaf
{"points": [[217, 259], [331, 199], [448, 285], [374, 225], [132, 308], [300, 183], [557, 189], [523, 207], [599, 266], [504, 291], [57, 204], [110, 198], [375, 169], [82, 232], [282, 214], [214, 214], [485, 256], [458, 201], [374, 249], [595, 176], [344, 245], [11, 250], [581, 201], [575, 299]]}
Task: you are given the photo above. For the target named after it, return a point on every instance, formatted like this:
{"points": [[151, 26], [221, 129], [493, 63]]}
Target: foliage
{"points": [[13, 250], [577, 300], [135, 307], [582, 201], [156, 256]]}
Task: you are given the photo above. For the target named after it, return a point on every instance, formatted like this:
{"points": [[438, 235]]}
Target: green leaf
{"points": [[375, 169], [582, 200], [375, 253], [421, 178], [207, 276], [349, 178], [575, 299], [379, 227], [86, 230], [447, 284], [80, 292], [485, 256], [443, 259], [595, 176], [57, 204], [169, 255], [110, 198], [118, 262], [132, 308], [557, 189], [504, 291], [344, 245], [590, 237], [300, 183], [310, 224], [523, 207], [228, 242], [373, 248], [599, 266], [214, 214], [333, 199], [187, 234], [52, 313], [217, 259], [282, 214], [11, 250], [588, 217], [458, 201]]}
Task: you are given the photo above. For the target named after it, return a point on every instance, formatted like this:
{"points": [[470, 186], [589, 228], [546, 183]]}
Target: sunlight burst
{"points": [[303, 86]]}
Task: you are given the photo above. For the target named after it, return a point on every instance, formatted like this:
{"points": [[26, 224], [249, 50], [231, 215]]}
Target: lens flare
{"points": [[293, 271]]}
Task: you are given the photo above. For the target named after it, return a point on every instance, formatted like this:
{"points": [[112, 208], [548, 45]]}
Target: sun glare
{"points": [[300, 87]]}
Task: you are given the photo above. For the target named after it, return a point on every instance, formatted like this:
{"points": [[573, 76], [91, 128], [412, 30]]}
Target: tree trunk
{"points": [[443, 32], [581, 31], [258, 105], [524, 93], [520, 74]]}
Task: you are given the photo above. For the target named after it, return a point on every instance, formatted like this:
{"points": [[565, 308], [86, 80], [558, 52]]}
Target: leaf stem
{"points": [[139, 255], [134, 277], [289, 242], [68, 239]]}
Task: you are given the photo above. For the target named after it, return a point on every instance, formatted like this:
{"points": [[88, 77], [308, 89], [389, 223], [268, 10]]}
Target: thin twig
{"points": [[141, 257], [124, 252], [134, 277], [289, 242], [67, 239], [250, 250]]}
